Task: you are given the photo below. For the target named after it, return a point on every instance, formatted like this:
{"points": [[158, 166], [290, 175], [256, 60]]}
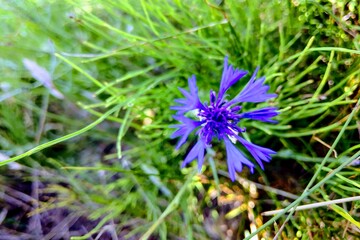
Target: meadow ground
{"points": [[85, 119]]}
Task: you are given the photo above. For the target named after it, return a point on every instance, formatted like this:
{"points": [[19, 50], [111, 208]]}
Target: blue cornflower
{"points": [[219, 119]]}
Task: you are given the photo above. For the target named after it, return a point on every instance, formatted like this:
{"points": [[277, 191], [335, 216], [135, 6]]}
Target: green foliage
{"points": [[103, 152]]}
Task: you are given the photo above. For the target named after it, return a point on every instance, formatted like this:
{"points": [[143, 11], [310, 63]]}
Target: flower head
{"points": [[220, 118]]}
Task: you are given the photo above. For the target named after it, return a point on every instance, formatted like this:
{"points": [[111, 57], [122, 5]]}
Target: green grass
{"points": [[103, 154]]}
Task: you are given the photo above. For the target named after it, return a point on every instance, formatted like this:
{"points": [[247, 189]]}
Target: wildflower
{"points": [[219, 119]]}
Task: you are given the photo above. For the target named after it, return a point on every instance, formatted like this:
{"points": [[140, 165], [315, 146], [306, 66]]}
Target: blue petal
{"points": [[254, 91], [191, 100], [235, 159], [229, 77], [263, 114], [260, 154], [184, 129], [196, 152]]}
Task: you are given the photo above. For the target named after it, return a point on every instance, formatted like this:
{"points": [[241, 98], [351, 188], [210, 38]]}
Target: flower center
{"points": [[217, 122]]}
